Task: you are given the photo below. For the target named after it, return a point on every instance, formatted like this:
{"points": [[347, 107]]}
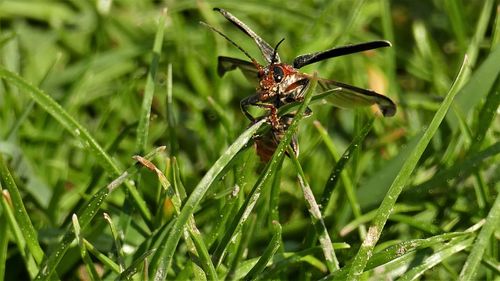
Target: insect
{"points": [[282, 84]]}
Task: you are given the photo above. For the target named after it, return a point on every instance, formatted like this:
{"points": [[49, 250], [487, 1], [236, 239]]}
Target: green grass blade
{"points": [[83, 250], [15, 234], [267, 255], [198, 193], [396, 257], [459, 170], [397, 186], [4, 241], [120, 256], [316, 219], [21, 215], [86, 215], [486, 116], [105, 260], [172, 132], [264, 177], [491, 224], [76, 129], [439, 256], [143, 127], [338, 172]]}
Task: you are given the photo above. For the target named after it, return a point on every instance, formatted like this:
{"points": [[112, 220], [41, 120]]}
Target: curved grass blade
{"points": [[387, 205], [11, 225], [266, 175], [439, 256], [195, 197], [404, 253], [86, 215], [77, 130], [175, 193], [21, 215], [268, 253]]}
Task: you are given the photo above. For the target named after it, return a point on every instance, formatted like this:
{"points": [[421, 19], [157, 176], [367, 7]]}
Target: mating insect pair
{"points": [[281, 84]]}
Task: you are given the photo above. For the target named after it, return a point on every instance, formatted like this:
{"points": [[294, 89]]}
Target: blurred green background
{"points": [[93, 58]]}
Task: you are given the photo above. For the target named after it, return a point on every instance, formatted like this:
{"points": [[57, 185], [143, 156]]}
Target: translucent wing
{"points": [[226, 64], [348, 96]]}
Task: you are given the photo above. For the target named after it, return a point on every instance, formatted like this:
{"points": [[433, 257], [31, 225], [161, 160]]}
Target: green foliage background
{"points": [[89, 84]]}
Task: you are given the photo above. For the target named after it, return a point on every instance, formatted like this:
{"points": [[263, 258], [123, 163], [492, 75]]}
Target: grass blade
{"points": [[142, 128], [267, 255], [76, 129], [397, 186], [198, 193], [86, 215], [265, 176], [21, 215], [491, 224], [317, 220]]}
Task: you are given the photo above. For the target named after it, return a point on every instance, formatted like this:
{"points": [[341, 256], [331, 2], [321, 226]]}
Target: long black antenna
{"points": [[230, 41], [275, 52]]}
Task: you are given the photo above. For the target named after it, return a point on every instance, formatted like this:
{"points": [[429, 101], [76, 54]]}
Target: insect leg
{"points": [[254, 100], [246, 102]]}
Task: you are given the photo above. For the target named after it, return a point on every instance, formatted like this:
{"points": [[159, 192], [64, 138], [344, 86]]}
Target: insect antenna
{"points": [[232, 42], [275, 51]]}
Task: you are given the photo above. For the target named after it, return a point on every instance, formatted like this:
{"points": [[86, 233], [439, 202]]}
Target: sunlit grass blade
{"points": [[397, 186]]}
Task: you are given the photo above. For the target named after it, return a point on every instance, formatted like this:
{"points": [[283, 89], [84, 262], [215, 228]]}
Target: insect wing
{"points": [[265, 48], [307, 59], [226, 64], [348, 96]]}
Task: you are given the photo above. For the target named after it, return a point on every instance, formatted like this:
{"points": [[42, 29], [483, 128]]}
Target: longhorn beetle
{"points": [[281, 84]]}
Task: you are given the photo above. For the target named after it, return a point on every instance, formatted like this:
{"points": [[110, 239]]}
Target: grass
{"points": [[123, 155]]}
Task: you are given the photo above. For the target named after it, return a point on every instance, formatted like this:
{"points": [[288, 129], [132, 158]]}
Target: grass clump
{"points": [[123, 155]]}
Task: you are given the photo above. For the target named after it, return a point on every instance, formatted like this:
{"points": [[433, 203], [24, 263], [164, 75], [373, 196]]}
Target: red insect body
{"points": [[281, 84]]}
